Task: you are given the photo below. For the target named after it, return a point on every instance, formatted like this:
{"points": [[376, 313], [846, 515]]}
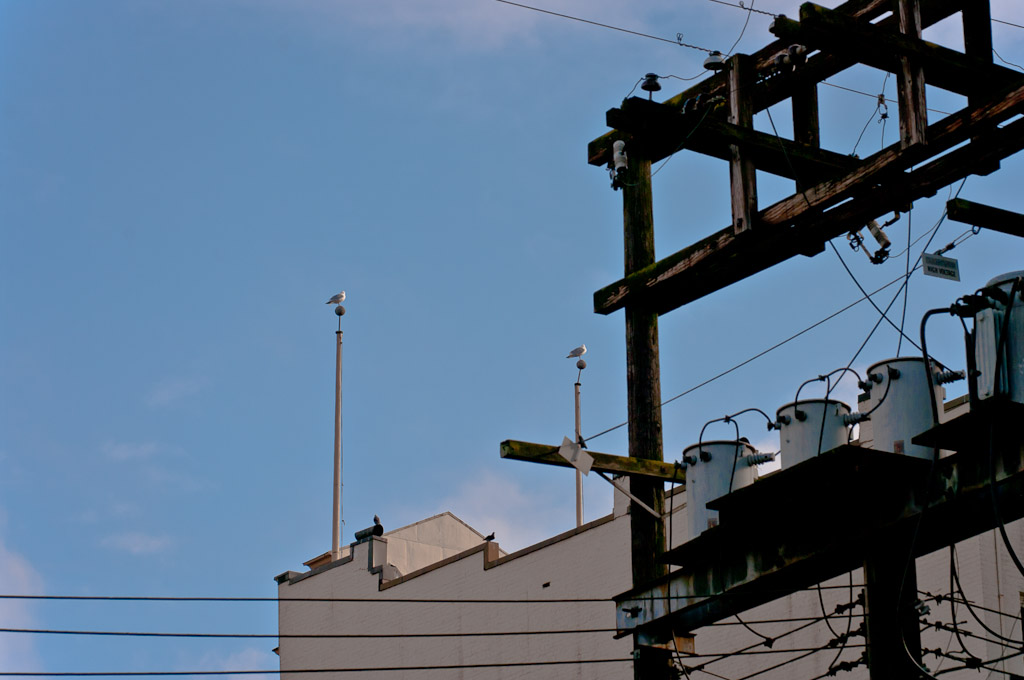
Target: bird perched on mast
{"points": [[337, 299], [578, 352]]}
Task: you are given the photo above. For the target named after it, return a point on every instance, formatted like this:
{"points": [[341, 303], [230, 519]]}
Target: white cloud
{"points": [[137, 543], [248, 659], [130, 450], [474, 24], [176, 479], [19, 577], [171, 390], [519, 518]]}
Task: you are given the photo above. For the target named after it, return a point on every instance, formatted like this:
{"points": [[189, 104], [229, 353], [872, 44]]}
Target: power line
{"points": [[875, 97], [342, 636], [394, 600], [1008, 23], [742, 30], [614, 28], [758, 355], [747, 9], [382, 669], [1008, 63], [399, 600]]}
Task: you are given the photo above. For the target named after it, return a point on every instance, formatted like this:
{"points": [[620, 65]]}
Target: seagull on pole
{"points": [[337, 299], [578, 352]]}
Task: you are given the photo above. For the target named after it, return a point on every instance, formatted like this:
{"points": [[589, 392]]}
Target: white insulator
{"points": [[944, 377], [876, 231], [759, 458], [619, 155], [854, 418]]}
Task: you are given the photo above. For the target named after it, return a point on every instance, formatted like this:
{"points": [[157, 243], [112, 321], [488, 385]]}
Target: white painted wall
{"points": [[592, 562]]}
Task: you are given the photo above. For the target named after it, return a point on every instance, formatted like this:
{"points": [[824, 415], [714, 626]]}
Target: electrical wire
{"points": [[952, 605], [1008, 23], [742, 31], [1015, 290], [397, 600], [595, 23], [793, 619], [975, 605], [780, 665], [748, 9], [382, 669], [955, 579], [682, 144], [792, 631], [954, 626], [865, 129], [1008, 63], [883, 314], [759, 652], [298, 636], [985, 664], [875, 97], [759, 354], [906, 289]]}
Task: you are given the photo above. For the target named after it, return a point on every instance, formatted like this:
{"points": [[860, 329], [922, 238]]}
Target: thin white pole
{"points": [[339, 483], [579, 475]]}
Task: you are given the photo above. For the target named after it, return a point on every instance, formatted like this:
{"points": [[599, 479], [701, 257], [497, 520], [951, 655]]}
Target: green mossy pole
{"points": [[643, 379]]}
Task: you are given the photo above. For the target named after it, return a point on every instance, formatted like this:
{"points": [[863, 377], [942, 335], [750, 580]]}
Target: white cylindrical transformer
{"points": [[988, 328], [898, 402], [809, 427], [710, 466]]}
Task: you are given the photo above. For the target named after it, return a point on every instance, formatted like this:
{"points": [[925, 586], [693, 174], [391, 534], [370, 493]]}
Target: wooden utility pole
{"points": [[742, 173], [643, 378], [835, 194], [893, 627]]}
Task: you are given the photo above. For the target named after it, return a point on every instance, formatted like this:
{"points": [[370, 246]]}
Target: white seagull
{"points": [[578, 352], [337, 299]]}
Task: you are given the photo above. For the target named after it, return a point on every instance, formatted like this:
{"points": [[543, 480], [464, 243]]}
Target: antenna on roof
{"points": [[338, 519]]}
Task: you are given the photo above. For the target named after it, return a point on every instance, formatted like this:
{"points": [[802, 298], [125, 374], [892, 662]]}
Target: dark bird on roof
{"points": [[376, 519], [489, 537]]}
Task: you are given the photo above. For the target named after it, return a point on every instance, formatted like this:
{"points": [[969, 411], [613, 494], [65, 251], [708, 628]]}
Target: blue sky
{"points": [[183, 185]]}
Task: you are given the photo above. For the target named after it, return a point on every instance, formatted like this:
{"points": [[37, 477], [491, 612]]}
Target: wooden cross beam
{"points": [[882, 49], [879, 184], [603, 462], [985, 216], [658, 131], [781, 86]]}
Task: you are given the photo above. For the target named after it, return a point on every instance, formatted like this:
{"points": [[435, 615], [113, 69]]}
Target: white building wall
{"points": [[593, 562]]}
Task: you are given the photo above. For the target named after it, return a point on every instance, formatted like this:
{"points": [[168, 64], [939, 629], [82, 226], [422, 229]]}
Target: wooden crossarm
{"points": [[662, 130], [780, 87], [985, 216], [603, 462], [722, 258], [880, 48]]}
